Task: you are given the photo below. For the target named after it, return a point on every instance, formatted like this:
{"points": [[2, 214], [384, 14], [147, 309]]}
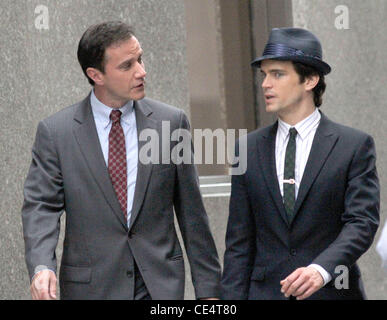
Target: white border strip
{"points": [[214, 185], [216, 195]]}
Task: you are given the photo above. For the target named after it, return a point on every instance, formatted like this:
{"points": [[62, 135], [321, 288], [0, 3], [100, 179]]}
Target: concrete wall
{"points": [[356, 89]]}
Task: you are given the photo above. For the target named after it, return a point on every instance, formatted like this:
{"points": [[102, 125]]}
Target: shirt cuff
{"points": [[39, 269], [324, 274]]}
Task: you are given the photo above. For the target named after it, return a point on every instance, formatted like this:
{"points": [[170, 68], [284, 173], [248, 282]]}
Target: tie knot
{"points": [[115, 116], [292, 133]]}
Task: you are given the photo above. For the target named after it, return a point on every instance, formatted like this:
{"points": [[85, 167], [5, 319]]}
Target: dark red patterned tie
{"points": [[117, 160]]}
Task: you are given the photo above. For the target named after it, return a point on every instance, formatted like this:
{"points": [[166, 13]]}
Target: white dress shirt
{"points": [[101, 114], [306, 129]]}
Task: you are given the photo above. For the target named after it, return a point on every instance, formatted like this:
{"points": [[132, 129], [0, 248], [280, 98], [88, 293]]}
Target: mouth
{"points": [[269, 97], [140, 86]]}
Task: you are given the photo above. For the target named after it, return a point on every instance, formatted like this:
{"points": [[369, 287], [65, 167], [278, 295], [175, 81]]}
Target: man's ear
{"points": [[311, 82], [96, 75]]}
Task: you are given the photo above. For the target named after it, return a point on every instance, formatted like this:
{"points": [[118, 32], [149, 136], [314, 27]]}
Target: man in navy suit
{"points": [[307, 206]]}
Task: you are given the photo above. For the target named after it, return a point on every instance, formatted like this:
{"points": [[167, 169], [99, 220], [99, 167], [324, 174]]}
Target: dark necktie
{"points": [[117, 160], [289, 174]]}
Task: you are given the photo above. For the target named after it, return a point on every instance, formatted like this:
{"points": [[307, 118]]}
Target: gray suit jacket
{"points": [[68, 173]]}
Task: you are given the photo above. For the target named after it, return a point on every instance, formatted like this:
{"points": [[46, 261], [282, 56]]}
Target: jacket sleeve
{"points": [[194, 225], [43, 204], [240, 243], [360, 218]]}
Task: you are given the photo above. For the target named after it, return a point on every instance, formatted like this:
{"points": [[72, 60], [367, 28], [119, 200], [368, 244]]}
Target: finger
{"points": [[40, 285], [307, 294], [294, 286], [43, 294], [287, 282], [302, 289], [294, 275], [33, 293], [33, 290], [52, 287]]}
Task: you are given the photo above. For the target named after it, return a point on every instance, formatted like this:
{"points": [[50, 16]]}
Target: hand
{"points": [[302, 283], [209, 299], [43, 286]]}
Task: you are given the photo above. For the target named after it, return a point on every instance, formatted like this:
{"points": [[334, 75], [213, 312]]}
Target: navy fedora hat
{"points": [[294, 44]]}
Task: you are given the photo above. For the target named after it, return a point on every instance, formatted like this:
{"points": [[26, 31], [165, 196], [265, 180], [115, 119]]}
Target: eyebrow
{"points": [[128, 62], [274, 70]]}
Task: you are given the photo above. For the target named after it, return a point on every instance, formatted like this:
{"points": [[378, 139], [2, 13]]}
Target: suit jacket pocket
{"points": [[258, 274], [75, 274]]}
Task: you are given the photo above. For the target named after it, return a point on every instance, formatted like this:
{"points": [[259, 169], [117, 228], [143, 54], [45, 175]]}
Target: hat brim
{"points": [[316, 63]]}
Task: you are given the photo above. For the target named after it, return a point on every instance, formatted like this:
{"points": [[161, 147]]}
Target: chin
{"points": [[138, 96], [271, 108]]}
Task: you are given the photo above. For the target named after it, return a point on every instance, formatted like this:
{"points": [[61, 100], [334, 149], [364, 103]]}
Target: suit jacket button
{"points": [[293, 252], [131, 234], [129, 273]]}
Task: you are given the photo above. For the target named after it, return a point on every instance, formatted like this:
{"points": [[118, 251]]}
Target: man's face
{"points": [[281, 86], [124, 76]]}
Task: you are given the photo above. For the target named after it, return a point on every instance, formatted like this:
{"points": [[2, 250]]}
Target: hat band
{"points": [[278, 49]]}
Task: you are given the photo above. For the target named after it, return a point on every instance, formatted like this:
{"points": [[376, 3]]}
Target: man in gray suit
{"points": [[120, 238]]}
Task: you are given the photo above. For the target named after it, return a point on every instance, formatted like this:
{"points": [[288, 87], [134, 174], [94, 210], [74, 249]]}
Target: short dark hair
{"points": [[95, 41], [304, 71]]}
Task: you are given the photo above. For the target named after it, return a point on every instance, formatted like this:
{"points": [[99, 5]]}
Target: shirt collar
{"points": [[303, 127], [102, 112]]}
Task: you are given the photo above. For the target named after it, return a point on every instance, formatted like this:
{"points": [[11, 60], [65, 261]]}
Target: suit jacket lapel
{"points": [[324, 140], [143, 121], [266, 152], [87, 137]]}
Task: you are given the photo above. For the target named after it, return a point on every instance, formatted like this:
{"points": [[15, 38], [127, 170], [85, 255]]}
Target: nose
{"points": [[266, 82], [140, 72]]}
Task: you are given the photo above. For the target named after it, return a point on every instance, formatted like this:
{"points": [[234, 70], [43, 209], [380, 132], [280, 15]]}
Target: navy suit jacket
{"points": [[335, 221]]}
